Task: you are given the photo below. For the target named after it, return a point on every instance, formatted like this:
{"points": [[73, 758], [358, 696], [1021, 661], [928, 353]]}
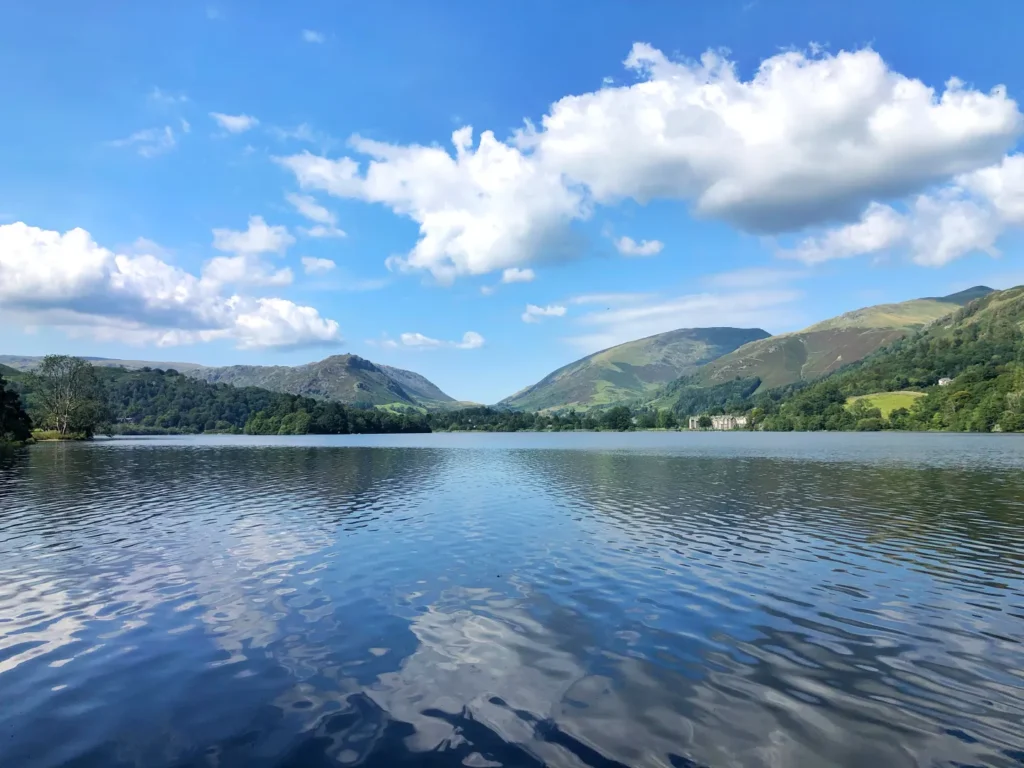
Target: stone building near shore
{"points": [[721, 422]]}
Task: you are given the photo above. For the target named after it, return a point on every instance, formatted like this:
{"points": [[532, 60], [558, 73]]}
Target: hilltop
{"points": [[827, 346], [630, 370]]}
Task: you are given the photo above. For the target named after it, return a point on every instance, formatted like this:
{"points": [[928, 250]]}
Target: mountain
{"points": [[632, 369], [344, 378], [827, 346]]}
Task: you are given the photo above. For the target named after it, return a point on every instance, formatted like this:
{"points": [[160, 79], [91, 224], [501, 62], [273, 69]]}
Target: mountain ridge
{"points": [[826, 346], [629, 370]]}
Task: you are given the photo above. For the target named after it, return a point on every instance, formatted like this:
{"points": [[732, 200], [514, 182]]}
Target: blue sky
{"points": [[228, 182]]}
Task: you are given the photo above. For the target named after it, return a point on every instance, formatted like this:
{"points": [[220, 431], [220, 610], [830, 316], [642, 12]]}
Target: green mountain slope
{"points": [[421, 388], [632, 369], [827, 346], [977, 353]]}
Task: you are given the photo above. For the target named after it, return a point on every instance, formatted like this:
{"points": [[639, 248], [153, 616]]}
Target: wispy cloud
{"points": [[312, 36], [150, 142], [754, 277], [326, 221], [470, 340], [610, 298], [166, 99], [534, 314], [517, 275], [314, 266], [338, 280], [627, 246], [774, 310]]}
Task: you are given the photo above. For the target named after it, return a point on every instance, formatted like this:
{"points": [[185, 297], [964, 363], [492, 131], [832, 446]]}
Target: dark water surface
{"points": [[515, 600]]}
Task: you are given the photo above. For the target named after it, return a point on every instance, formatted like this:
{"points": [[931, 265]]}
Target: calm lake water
{"points": [[515, 600]]}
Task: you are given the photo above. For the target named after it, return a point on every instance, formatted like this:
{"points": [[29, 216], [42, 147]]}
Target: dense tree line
{"points": [[483, 419], [294, 415], [15, 424]]}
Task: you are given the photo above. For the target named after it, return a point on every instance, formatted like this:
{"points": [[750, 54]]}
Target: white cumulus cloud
{"points": [[244, 270], [807, 139], [533, 313], [246, 267], [627, 246], [880, 228], [487, 207], [258, 237], [810, 139], [934, 229], [1002, 186], [234, 123], [70, 282]]}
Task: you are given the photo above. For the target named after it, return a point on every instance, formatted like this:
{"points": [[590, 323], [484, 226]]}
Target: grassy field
{"points": [[887, 402], [50, 435]]}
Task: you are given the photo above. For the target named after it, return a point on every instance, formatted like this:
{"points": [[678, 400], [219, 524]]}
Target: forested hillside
{"points": [[157, 401], [979, 350]]}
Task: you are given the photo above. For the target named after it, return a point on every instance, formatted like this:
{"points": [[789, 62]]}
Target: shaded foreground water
{"points": [[569, 600]]}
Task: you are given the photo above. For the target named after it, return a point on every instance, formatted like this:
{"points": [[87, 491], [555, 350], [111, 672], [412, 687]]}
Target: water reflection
{"points": [[217, 604]]}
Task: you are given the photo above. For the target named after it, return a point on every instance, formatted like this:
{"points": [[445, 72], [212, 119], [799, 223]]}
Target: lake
{"points": [[642, 599]]}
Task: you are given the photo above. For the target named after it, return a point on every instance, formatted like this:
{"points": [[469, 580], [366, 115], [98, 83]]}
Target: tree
{"points": [[15, 425], [667, 419], [67, 389], [646, 420], [618, 418], [705, 422]]}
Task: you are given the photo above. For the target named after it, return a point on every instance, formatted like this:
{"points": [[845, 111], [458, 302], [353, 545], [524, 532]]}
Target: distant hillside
{"points": [[827, 346], [629, 370], [27, 362], [343, 378]]}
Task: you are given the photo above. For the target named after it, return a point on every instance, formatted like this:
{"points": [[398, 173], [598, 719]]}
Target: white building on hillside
{"points": [[721, 422]]}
